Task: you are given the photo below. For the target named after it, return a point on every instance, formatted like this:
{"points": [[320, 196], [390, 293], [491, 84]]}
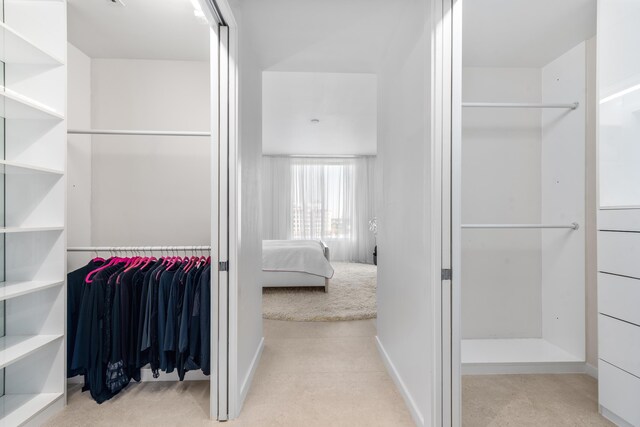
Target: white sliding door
{"points": [[222, 100]]}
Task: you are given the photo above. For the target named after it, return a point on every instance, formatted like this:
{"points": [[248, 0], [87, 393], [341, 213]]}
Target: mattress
{"points": [[301, 256]]}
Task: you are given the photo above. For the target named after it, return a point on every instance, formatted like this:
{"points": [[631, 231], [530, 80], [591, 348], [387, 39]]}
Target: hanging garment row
{"points": [[127, 313]]}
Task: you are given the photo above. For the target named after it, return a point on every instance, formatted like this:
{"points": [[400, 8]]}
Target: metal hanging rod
{"points": [[135, 132], [573, 226], [137, 248], [571, 106]]}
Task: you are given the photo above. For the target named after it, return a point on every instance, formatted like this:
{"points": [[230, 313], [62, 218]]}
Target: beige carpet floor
{"points": [[328, 374], [351, 296], [560, 400]]}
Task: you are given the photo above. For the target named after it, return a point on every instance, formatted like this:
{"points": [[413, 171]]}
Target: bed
{"points": [[289, 263]]}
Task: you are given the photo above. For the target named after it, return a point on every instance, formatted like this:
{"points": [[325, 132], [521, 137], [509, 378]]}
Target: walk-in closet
{"points": [[523, 166], [140, 257]]}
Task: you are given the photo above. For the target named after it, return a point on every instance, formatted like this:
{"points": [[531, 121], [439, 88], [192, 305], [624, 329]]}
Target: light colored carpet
{"points": [[351, 296]]}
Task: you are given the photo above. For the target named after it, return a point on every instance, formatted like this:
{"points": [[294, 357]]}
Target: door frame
{"points": [[455, 296], [224, 284], [446, 116]]}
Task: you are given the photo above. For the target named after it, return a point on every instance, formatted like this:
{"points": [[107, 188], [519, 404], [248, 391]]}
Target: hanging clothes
{"points": [[127, 313]]}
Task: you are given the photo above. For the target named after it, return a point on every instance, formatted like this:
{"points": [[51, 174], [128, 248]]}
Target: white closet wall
{"points": [[33, 108], [150, 190], [78, 155], [501, 164]]}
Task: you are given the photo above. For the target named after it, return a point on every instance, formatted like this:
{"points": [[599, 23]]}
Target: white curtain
{"points": [[332, 199]]}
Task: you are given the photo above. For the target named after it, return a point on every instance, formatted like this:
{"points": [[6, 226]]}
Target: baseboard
{"points": [[417, 416], [618, 421], [147, 376], [248, 379], [523, 368], [591, 370]]}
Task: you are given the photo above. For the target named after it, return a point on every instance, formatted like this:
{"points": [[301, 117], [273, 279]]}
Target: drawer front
{"points": [[618, 392], [619, 253], [619, 344], [619, 219], [619, 297]]}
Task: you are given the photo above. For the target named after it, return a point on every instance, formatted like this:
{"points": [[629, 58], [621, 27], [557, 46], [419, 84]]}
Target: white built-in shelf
{"points": [[17, 49], [16, 409], [7, 230], [16, 347], [16, 106], [13, 168], [513, 350], [10, 290]]}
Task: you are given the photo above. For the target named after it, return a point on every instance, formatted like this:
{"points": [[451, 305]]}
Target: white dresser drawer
{"points": [[619, 297], [619, 392], [619, 344], [619, 219], [619, 253]]}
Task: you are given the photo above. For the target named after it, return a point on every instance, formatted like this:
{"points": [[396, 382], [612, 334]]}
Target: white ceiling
{"points": [[328, 35], [523, 33], [345, 105], [143, 29], [321, 35]]}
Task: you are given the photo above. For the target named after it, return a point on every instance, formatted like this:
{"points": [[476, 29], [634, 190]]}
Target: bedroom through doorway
{"points": [[319, 224]]}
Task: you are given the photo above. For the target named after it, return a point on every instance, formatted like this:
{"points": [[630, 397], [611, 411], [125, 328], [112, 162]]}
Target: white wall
{"points": [[344, 104], [501, 172], [248, 216], [404, 287], [78, 154], [150, 190]]}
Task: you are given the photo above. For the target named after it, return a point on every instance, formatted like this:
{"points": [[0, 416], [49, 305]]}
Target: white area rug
{"points": [[351, 296]]}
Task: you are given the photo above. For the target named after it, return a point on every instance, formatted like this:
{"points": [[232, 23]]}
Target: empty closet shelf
{"points": [[16, 409], [7, 230], [10, 290], [17, 49], [15, 347], [513, 351], [16, 106], [13, 168]]}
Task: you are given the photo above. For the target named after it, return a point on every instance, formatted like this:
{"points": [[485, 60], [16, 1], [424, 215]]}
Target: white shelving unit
{"points": [[32, 210]]}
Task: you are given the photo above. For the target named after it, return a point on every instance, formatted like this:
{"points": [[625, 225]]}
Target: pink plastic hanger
{"points": [[109, 263]]}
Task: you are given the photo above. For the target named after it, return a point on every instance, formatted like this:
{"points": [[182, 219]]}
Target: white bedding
{"points": [[303, 256]]}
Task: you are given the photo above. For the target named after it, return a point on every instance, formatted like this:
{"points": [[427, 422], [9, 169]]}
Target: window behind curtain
{"points": [[322, 201], [329, 199]]}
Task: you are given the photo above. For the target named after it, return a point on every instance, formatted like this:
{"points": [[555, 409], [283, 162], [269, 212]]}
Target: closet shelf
{"points": [[16, 347], [7, 230], [10, 290], [16, 106], [12, 168], [17, 49], [16, 409]]}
